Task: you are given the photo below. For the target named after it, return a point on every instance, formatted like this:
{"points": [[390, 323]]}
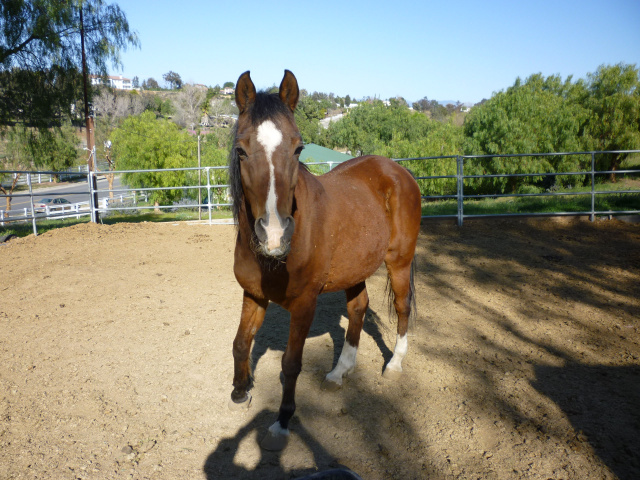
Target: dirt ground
{"points": [[115, 359]]}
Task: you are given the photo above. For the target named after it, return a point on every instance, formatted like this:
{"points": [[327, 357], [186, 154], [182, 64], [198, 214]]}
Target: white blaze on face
{"points": [[270, 137]]}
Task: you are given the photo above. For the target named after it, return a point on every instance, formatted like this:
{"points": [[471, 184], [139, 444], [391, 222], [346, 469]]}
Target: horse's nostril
{"points": [[289, 225], [261, 230]]}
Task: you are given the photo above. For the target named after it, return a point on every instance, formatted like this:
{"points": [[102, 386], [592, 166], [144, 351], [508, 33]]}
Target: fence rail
{"points": [[50, 177], [219, 191]]}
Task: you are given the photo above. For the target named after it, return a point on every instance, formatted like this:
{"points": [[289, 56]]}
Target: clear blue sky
{"points": [[446, 50]]}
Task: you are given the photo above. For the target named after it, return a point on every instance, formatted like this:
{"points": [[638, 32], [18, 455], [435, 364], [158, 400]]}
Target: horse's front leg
{"points": [[301, 318], [253, 311]]}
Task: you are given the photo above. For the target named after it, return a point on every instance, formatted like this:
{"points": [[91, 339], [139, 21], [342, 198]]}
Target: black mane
{"points": [[265, 107]]}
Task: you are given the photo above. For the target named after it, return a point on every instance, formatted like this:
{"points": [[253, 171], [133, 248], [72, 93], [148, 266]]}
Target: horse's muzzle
{"points": [[274, 236]]}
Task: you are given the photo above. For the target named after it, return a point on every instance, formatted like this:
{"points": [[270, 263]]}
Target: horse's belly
{"points": [[359, 254]]}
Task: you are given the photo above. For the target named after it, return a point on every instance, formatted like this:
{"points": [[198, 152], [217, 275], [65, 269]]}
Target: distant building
{"points": [[117, 82], [227, 91]]}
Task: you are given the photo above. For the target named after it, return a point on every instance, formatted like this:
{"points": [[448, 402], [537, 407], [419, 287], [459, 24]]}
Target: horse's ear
{"points": [[289, 91], [245, 92]]}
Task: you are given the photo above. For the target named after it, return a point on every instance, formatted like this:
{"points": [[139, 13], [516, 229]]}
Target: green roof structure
{"points": [[316, 153]]}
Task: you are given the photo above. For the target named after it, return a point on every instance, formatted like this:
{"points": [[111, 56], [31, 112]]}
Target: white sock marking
{"points": [[270, 137], [399, 352], [278, 431], [346, 363]]}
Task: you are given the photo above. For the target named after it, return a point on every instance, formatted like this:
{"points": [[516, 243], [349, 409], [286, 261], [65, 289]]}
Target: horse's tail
{"points": [[413, 315]]}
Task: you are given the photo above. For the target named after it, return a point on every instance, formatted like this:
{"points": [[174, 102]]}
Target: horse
{"points": [[301, 235]]}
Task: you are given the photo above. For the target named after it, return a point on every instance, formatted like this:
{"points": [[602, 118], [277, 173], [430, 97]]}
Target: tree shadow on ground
{"points": [[610, 389], [557, 270]]}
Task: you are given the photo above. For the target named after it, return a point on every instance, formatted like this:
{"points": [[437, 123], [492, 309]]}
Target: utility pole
{"points": [[91, 147], [199, 182]]}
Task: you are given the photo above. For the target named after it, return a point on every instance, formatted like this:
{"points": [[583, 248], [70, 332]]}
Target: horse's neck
{"points": [[309, 192]]}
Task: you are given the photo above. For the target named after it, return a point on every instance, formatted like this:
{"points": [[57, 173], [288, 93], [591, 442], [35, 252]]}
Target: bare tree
{"points": [[188, 105], [112, 107], [219, 107]]}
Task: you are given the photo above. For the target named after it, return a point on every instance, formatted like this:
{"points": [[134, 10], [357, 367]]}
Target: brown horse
{"points": [[300, 235]]}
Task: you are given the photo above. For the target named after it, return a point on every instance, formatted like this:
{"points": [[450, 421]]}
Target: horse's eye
{"points": [[299, 150], [241, 153]]}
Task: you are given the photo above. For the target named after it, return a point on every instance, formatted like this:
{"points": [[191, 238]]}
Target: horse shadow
{"points": [[607, 415], [274, 332], [220, 463]]}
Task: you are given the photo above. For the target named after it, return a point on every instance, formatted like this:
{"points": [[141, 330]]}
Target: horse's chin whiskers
{"points": [[267, 258]]}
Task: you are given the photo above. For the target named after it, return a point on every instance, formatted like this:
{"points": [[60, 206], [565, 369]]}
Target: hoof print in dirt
{"points": [[243, 405]]}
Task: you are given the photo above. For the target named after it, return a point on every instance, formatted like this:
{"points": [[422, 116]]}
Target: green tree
{"points": [[173, 79], [41, 98], [40, 61], [538, 116], [398, 132], [228, 85], [55, 149], [52, 149], [37, 34], [146, 143], [308, 115], [150, 84], [614, 112]]}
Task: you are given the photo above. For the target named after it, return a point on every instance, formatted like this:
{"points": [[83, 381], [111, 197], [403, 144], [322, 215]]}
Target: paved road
{"points": [[74, 192]]}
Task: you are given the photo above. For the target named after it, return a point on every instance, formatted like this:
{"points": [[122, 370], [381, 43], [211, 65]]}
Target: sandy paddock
{"points": [[115, 359]]}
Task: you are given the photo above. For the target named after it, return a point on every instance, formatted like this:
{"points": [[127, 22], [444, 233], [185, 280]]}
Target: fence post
{"points": [[2, 218], [208, 173], [92, 204], [33, 210], [592, 217], [460, 194]]}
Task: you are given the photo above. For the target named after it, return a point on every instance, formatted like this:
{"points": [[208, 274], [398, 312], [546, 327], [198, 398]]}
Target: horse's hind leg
{"points": [[357, 303], [401, 285]]}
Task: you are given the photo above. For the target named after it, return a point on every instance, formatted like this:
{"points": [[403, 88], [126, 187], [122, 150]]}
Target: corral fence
{"points": [[50, 177], [590, 174], [206, 189]]}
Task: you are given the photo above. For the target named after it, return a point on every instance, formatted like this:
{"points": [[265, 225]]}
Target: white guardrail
{"points": [[57, 212]]}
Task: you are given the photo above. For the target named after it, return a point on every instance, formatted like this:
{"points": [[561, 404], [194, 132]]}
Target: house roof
{"points": [[316, 153]]}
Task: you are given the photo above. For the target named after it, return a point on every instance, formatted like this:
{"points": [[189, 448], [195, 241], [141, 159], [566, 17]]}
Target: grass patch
{"points": [[179, 216], [25, 228]]}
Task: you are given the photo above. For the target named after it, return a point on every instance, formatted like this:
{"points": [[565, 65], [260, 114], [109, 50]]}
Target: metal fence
{"points": [[217, 193], [592, 173], [50, 177]]}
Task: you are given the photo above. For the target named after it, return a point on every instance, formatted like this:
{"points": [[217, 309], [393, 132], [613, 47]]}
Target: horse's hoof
{"points": [[274, 442], [330, 385], [241, 405], [390, 374]]}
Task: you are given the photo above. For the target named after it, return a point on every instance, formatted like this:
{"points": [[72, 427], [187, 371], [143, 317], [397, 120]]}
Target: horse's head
{"points": [[267, 146]]}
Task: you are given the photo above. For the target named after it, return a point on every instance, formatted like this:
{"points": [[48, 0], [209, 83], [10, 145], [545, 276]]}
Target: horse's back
{"points": [[373, 179]]}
